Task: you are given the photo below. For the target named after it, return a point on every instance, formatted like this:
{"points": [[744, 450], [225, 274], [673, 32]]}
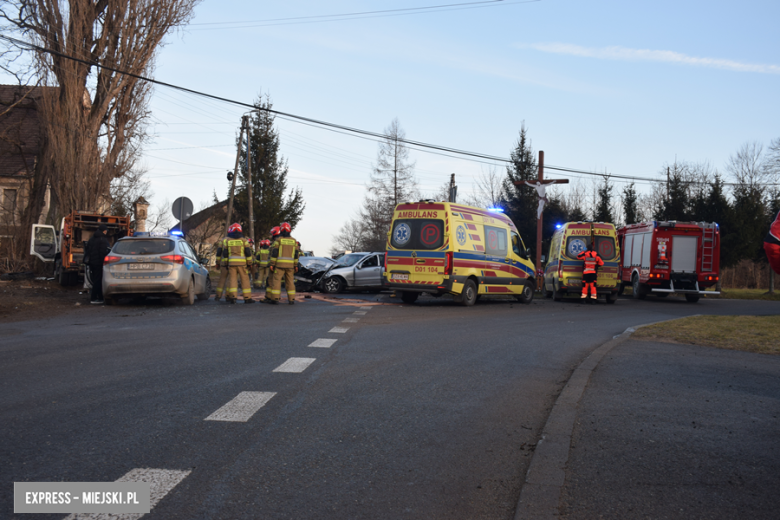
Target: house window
{"points": [[9, 202]]}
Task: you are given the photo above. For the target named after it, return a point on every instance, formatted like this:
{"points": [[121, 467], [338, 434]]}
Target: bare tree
{"points": [[487, 190], [351, 237], [203, 237], [160, 218], [94, 119]]}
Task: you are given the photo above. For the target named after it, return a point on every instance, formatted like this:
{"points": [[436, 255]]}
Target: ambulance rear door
{"points": [[415, 258]]}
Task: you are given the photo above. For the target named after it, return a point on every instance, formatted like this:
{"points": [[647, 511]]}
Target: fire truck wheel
{"points": [[693, 298], [639, 292], [409, 297]]}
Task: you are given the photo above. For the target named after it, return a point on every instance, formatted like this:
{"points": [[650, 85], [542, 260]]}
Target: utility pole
{"points": [[541, 187], [453, 189], [245, 124], [235, 174]]}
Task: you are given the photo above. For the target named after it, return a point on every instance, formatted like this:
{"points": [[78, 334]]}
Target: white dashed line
{"points": [[359, 313], [242, 407], [323, 343], [295, 364], [365, 308], [339, 330], [161, 482], [350, 320]]}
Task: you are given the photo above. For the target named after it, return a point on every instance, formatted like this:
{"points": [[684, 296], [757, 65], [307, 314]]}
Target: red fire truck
{"points": [[661, 258]]}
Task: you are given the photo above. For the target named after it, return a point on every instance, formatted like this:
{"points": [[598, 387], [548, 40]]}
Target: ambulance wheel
{"points": [[557, 293], [469, 295], [409, 297], [527, 296], [612, 297], [693, 298], [638, 290], [333, 285]]}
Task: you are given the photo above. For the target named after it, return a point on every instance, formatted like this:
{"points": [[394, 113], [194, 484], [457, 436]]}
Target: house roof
{"points": [[202, 216], [20, 129]]}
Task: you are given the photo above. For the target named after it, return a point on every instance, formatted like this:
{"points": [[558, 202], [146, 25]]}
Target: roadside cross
{"points": [[541, 190]]}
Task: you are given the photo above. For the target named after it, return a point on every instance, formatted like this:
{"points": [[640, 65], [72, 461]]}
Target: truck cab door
{"points": [[43, 242]]}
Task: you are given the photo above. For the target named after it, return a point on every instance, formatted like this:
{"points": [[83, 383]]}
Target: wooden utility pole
{"points": [[245, 124], [235, 174], [540, 186]]}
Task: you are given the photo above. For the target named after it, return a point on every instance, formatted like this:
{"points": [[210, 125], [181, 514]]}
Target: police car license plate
{"points": [[399, 276], [140, 267]]}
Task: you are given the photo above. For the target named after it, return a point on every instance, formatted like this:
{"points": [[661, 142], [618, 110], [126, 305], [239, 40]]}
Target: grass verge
{"points": [[748, 333]]}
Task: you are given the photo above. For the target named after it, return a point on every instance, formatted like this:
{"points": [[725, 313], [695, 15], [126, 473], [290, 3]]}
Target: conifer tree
{"points": [[603, 211], [273, 203], [521, 201], [630, 209]]}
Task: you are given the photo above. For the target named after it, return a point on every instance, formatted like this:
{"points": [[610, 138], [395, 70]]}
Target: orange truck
{"points": [[65, 247]]}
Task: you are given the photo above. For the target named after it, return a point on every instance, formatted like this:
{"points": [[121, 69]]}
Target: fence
{"points": [[745, 275]]}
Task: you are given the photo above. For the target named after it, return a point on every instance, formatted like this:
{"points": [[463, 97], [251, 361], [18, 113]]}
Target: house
{"points": [[21, 141], [205, 228]]}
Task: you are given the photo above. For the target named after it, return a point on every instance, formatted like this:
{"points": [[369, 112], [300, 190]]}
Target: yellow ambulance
{"points": [[563, 272], [448, 248]]}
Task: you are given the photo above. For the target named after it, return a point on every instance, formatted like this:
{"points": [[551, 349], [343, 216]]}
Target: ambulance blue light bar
{"points": [[557, 226], [496, 210]]}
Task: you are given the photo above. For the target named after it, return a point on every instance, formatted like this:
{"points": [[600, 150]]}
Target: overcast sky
{"points": [[615, 86]]}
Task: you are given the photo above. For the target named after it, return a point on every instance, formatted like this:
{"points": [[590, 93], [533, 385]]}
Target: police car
{"points": [[155, 264]]}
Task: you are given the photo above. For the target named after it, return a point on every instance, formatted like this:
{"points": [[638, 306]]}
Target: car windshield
{"points": [[143, 247], [315, 263], [348, 260]]}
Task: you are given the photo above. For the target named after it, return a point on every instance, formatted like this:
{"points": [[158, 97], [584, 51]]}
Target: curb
{"points": [[541, 491]]}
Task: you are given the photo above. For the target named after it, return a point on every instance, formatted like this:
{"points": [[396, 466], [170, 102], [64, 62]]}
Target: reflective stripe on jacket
{"points": [[236, 251], [284, 253], [591, 259], [263, 257]]}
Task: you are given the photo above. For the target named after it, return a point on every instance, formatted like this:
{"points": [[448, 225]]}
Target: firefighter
{"points": [[772, 245], [283, 265], [262, 260], [592, 262], [223, 270], [238, 255], [252, 266]]}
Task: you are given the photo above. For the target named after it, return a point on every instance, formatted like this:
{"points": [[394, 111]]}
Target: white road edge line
{"points": [[323, 343], [161, 482], [339, 330], [242, 407], [295, 365]]}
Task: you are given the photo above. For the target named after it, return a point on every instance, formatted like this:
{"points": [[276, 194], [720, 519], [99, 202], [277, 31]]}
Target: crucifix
{"points": [[541, 190]]}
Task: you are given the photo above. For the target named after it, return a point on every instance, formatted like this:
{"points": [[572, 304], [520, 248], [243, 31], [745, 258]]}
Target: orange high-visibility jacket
{"points": [[591, 259]]}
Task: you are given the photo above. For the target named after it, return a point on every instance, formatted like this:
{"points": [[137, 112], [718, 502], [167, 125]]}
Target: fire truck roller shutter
{"points": [[647, 242], [627, 250], [684, 254]]}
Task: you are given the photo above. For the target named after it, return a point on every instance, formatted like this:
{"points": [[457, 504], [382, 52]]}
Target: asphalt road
{"points": [[423, 411]]}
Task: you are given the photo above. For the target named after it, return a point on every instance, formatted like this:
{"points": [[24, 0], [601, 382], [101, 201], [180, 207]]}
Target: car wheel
{"points": [[409, 297], [557, 293], [638, 290], [693, 298], [527, 296], [469, 295], [333, 285], [612, 297], [189, 298], [207, 292]]}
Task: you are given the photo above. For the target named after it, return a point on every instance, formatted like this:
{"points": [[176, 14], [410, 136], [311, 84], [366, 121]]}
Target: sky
{"points": [[610, 86]]}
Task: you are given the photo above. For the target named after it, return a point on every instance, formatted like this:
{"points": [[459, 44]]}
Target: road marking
{"points": [[323, 343], [339, 330], [359, 313], [350, 320], [242, 407], [365, 308], [295, 364], [161, 482]]}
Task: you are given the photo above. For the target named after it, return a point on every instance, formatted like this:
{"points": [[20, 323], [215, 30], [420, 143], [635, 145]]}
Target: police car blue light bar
{"points": [[177, 233], [557, 226]]}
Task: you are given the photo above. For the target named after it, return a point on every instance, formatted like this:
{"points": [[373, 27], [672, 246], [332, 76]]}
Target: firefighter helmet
{"points": [[275, 231], [235, 227], [286, 227], [265, 243], [251, 242]]}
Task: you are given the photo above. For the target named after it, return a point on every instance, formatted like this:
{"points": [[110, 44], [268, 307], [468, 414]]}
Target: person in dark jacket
{"points": [[772, 245], [97, 249]]}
